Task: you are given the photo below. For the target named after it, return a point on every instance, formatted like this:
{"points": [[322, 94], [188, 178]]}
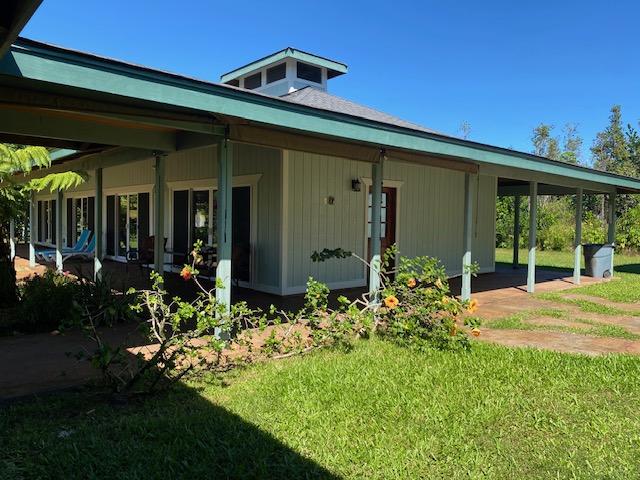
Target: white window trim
{"points": [[144, 188]]}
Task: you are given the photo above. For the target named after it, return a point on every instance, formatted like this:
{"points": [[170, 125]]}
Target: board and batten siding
{"points": [[429, 219]]}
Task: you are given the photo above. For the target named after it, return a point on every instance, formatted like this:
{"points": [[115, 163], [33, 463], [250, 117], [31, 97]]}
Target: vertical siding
{"points": [[129, 175], [429, 218], [314, 224], [485, 221]]}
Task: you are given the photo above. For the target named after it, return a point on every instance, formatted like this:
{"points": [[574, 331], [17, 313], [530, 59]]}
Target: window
{"points": [[234, 83], [253, 81], [383, 216], [309, 72], [81, 214], [46, 221], [200, 209], [276, 73]]}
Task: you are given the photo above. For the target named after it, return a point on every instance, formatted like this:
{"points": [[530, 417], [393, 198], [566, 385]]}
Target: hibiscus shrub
{"points": [[415, 306], [418, 308]]}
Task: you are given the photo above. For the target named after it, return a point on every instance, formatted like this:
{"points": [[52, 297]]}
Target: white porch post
{"points": [[97, 256], [533, 221], [32, 230], [58, 227], [516, 231], [577, 261], [224, 225], [158, 243], [375, 261], [611, 234], [12, 239], [467, 237]]}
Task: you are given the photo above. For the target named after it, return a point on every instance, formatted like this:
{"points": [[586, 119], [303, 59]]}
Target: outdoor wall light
{"points": [[356, 185]]}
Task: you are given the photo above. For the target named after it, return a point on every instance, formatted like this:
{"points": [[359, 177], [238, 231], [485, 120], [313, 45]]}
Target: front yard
{"points": [[378, 411]]}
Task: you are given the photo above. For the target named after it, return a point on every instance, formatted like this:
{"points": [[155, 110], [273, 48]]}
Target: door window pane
{"points": [[122, 225], [201, 216], [133, 222]]}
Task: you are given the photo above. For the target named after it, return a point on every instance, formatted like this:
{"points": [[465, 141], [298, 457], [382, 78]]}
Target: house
{"points": [[266, 166]]}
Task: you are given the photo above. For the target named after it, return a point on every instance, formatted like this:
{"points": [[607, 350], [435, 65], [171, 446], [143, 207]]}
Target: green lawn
{"points": [[379, 411], [625, 289]]}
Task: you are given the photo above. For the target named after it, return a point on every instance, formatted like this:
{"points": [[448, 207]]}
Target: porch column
{"points": [[58, 227], [97, 256], [611, 234], [32, 230], [533, 221], [467, 237], [224, 225], [516, 231], [577, 261], [158, 219], [12, 239], [375, 261]]}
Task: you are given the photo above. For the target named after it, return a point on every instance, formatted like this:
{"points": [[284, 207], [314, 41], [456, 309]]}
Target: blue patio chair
{"points": [[81, 243]]}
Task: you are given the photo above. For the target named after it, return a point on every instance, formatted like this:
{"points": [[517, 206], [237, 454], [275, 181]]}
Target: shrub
{"points": [[628, 231], [593, 229], [46, 302], [418, 309]]}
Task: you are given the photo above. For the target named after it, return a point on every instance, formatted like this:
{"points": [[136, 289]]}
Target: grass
{"points": [[625, 288], [378, 412], [588, 306], [519, 321]]}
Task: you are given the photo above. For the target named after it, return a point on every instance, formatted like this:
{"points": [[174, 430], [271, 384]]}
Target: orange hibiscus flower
{"points": [[411, 282], [473, 306], [186, 273], [391, 301]]}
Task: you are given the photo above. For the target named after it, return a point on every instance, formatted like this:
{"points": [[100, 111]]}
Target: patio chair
{"points": [[85, 252], [50, 253], [144, 255]]}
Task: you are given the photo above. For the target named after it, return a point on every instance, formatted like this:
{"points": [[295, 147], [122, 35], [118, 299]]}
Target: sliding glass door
{"points": [[194, 218], [127, 223]]}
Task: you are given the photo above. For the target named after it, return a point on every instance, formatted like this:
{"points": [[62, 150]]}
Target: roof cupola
{"points": [[284, 72]]}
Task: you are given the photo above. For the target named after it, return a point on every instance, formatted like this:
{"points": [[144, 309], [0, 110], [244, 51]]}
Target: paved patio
{"points": [[44, 361]]}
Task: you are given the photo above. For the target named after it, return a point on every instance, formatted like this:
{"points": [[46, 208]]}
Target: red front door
{"points": [[388, 220]]}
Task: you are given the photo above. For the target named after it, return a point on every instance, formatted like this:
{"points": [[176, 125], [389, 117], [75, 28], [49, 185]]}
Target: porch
{"points": [[506, 284]]}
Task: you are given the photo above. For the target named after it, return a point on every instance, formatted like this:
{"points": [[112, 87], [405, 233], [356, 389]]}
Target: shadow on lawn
{"points": [[629, 268], [178, 434]]}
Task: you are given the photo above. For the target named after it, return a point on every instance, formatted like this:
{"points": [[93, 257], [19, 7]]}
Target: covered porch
{"points": [[136, 132]]}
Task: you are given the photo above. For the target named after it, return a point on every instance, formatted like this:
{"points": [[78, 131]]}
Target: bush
{"points": [[628, 231], [46, 302], [593, 229], [57, 301], [418, 309]]}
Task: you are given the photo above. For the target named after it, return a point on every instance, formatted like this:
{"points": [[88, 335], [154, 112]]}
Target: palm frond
{"points": [[22, 159], [58, 181]]}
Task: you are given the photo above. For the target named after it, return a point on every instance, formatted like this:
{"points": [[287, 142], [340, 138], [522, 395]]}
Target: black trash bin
{"points": [[597, 259]]}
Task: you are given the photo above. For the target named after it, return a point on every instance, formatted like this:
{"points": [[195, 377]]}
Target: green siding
{"points": [[430, 216]]}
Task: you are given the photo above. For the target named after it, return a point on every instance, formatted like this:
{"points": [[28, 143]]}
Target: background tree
{"points": [[611, 152], [14, 198]]}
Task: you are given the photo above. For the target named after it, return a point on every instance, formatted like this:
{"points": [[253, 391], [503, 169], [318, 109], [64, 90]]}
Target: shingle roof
{"points": [[312, 97]]}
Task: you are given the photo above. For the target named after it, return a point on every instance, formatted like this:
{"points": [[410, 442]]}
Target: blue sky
{"points": [[501, 66]]}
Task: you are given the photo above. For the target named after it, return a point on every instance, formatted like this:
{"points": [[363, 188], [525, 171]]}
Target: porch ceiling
{"points": [[191, 113]]}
